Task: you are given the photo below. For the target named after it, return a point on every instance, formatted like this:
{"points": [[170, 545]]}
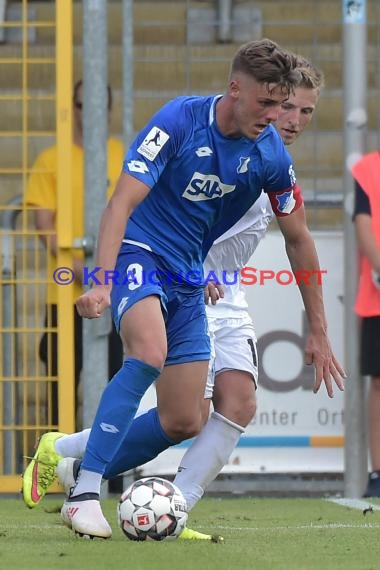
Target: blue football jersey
{"points": [[201, 181]]}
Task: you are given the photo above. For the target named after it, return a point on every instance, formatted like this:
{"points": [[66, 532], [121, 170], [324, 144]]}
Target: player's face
{"points": [[78, 110], [255, 105], [296, 113]]}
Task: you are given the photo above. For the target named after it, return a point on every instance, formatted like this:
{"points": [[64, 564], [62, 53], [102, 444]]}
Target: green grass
{"points": [[260, 534]]}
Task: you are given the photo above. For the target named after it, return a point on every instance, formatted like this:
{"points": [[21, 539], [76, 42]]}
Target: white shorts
{"points": [[233, 347]]}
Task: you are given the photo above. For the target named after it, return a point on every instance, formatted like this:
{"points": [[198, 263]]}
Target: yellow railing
{"points": [[35, 112]]}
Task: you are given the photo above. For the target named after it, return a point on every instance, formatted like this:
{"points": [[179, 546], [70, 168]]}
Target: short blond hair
{"points": [[311, 77]]}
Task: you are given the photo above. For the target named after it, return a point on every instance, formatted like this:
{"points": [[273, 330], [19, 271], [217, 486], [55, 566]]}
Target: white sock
{"points": [[73, 445], [206, 457], [87, 482]]}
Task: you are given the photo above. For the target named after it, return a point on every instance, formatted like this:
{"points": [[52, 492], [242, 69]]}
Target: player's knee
{"points": [[144, 344], [155, 358], [249, 412], [150, 354], [185, 431], [183, 428], [239, 411], [245, 414]]}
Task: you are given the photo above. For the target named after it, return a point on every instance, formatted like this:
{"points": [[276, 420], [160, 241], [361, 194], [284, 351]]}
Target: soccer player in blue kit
{"points": [[191, 173]]}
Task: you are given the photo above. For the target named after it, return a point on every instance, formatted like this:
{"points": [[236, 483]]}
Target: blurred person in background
{"points": [[41, 194], [366, 173]]}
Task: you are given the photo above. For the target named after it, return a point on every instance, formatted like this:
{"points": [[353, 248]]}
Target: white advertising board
{"points": [[294, 430]]}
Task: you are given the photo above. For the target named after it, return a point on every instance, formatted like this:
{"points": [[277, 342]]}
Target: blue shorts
{"points": [[140, 273]]}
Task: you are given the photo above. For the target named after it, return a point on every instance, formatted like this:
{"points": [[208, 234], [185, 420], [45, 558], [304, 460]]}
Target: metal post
{"points": [[8, 262], [355, 122], [224, 20], [3, 9], [128, 89], [95, 124]]}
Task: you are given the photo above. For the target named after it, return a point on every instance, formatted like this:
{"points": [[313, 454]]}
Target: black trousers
{"points": [[370, 346]]}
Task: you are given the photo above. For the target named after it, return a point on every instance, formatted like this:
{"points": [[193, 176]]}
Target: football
{"points": [[152, 509]]}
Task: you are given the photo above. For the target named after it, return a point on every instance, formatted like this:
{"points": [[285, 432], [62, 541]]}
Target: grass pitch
{"points": [[260, 534]]}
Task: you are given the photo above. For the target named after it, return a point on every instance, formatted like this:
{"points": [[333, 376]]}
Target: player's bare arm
{"points": [[302, 255], [129, 192]]}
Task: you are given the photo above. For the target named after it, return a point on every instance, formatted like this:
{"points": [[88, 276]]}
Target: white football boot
{"points": [[85, 517]]}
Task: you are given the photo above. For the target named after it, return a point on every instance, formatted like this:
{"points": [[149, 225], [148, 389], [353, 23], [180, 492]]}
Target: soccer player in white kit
{"points": [[233, 367]]}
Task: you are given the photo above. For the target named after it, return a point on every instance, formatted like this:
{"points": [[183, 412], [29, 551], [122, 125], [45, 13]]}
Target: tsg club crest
{"points": [[286, 202], [243, 164]]}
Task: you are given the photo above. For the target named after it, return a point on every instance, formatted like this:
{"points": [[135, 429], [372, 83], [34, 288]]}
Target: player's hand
{"points": [[327, 368], [94, 302], [213, 292]]}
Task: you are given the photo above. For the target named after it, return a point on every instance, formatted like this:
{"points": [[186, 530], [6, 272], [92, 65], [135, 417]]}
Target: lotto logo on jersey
{"points": [[153, 143], [206, 187], [137, 166]]}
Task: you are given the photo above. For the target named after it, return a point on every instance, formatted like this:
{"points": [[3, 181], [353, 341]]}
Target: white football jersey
{"points": [[231, 252]]}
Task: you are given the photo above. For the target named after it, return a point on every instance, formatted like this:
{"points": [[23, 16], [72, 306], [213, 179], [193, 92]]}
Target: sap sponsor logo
{"points": [[286, 202], [153, 143], [137, 166], [243, 164], [203, 151], [292, 175], [206, 187]]}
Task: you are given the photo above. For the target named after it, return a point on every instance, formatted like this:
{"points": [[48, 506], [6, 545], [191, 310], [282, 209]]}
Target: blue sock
{"points": [[116, 410], [144, 441]]}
